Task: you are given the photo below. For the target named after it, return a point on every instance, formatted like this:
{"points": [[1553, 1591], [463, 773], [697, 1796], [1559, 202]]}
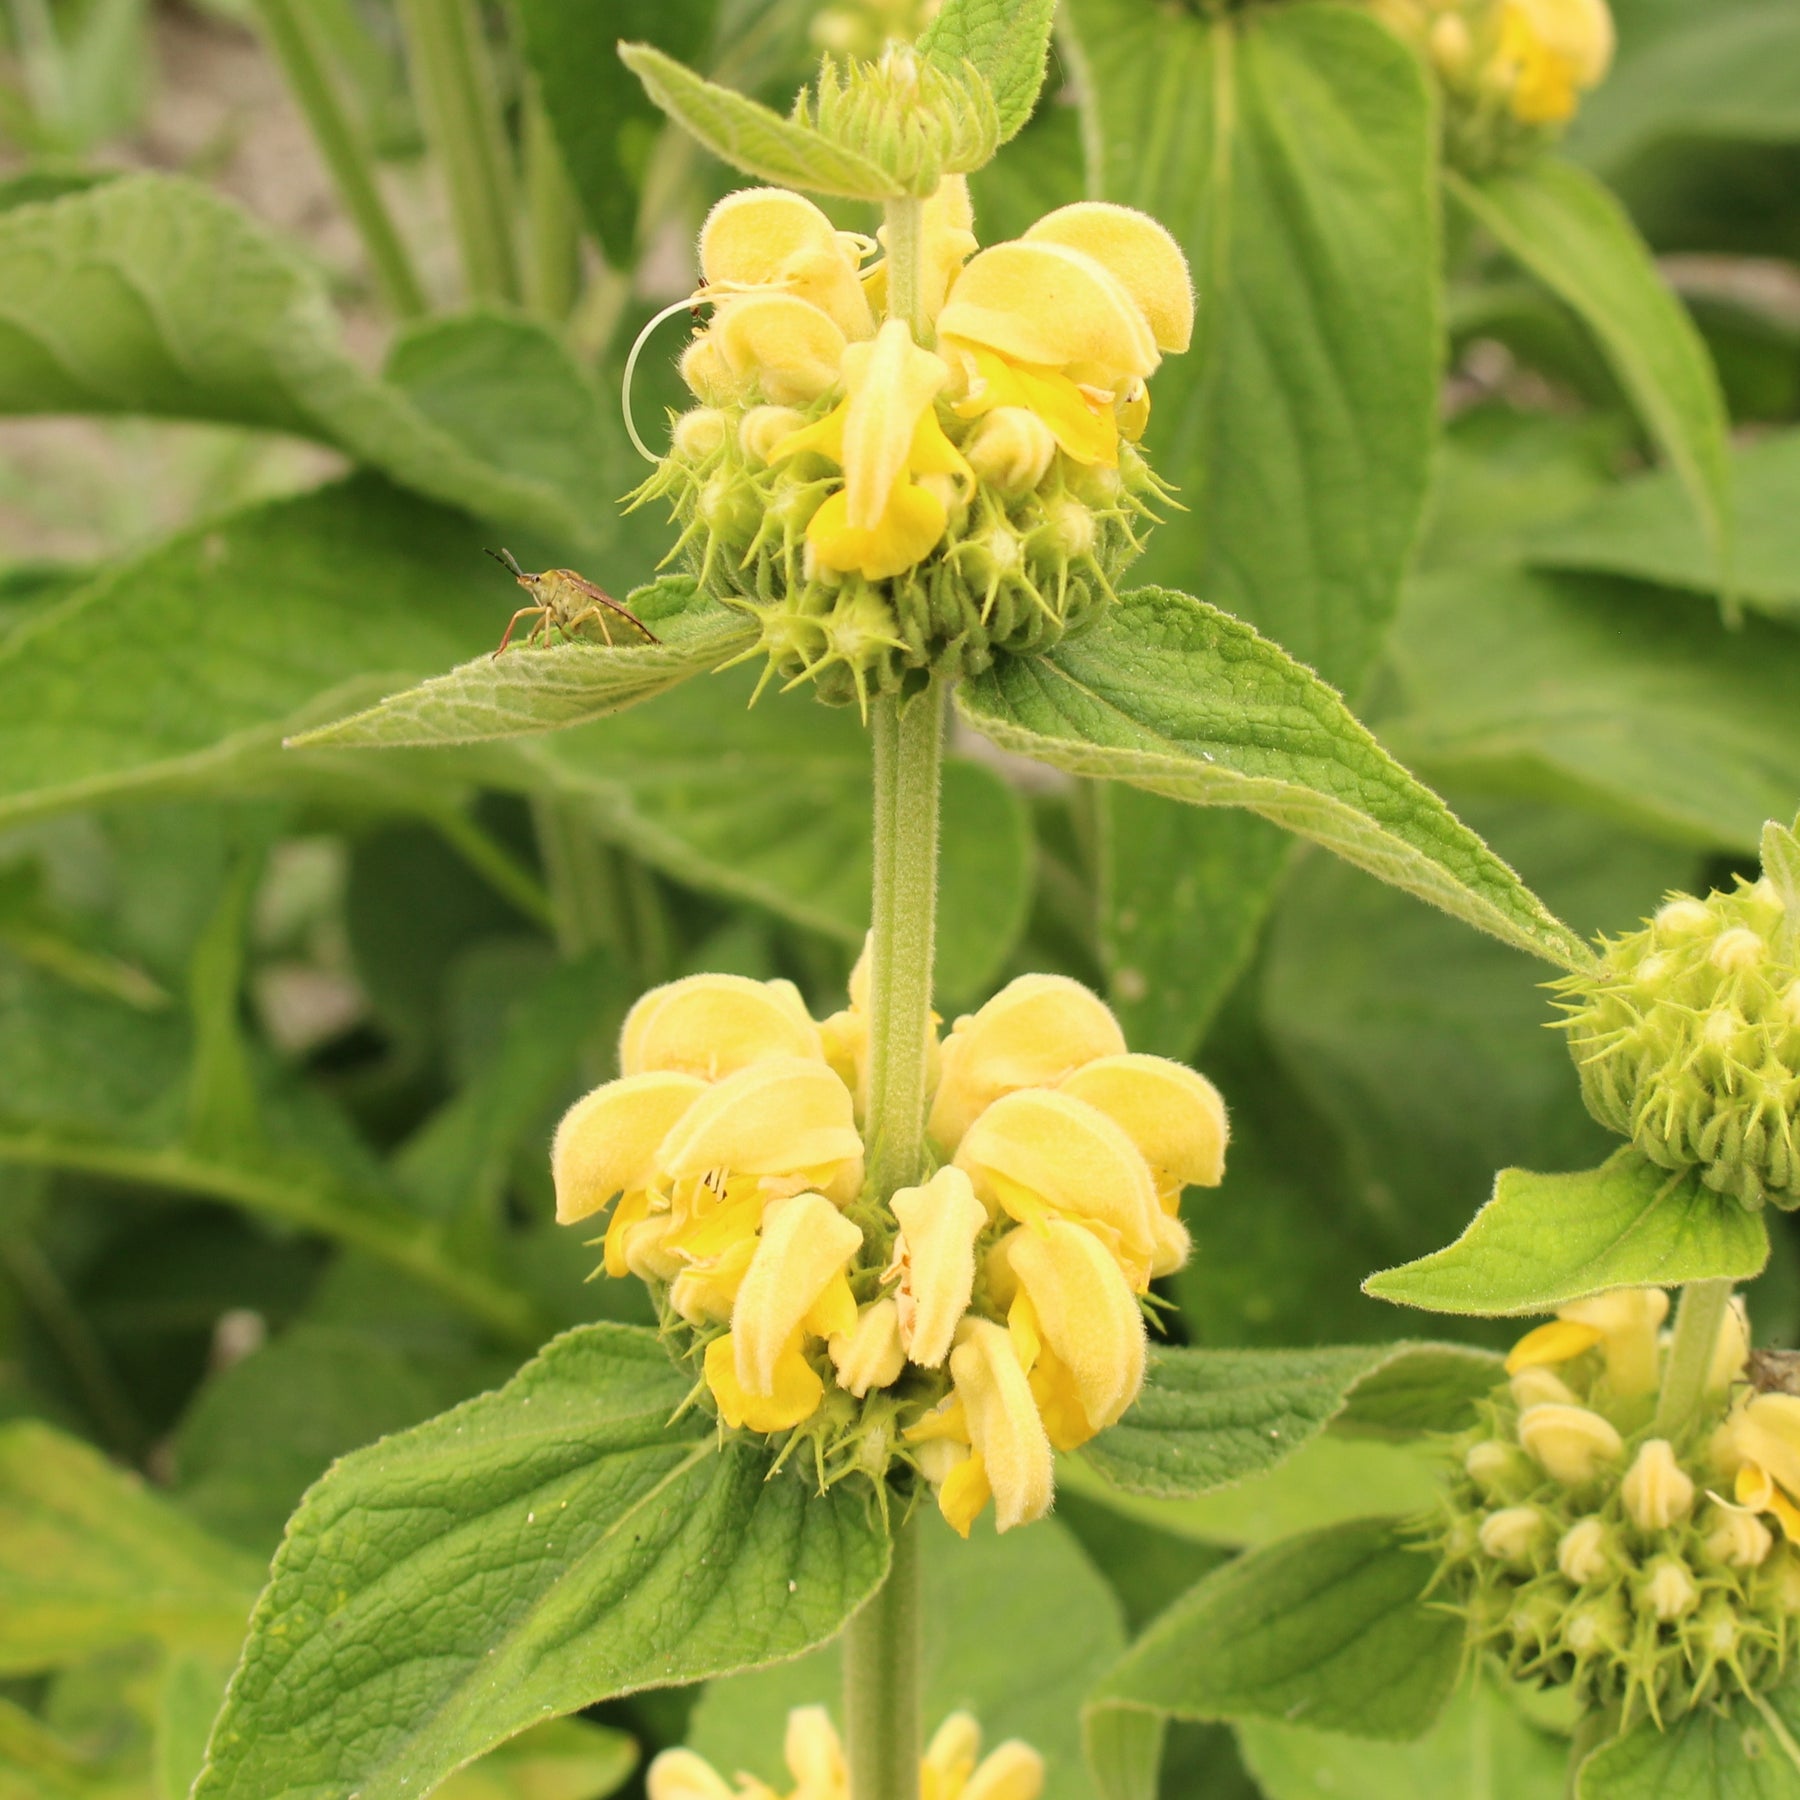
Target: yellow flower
{"points": [[777, 344], [871, 1355], [1622, 1324], [1068, 321], [884, 435], [1552, 51], [775, 240], [934, 1259], [607, 1146], [713, 1025], [1076, 1328], [1760, 1445], [1010, 1457], [951, 1769], [1569, 1443], [1035, 1031], [1040, 1155]]}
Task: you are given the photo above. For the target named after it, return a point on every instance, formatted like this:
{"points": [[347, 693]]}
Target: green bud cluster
{"points": [[1031, 554], [1687, 1038], [1580, 1584], [913, 118]]}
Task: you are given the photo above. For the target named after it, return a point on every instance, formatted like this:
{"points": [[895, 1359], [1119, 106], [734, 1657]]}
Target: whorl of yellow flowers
{"points": [[891, 494], [952, 1768], [1585, 1547], [969, 1325], [1511, 71]]}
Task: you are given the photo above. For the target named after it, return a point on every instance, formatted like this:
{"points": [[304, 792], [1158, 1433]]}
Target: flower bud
{"points": [[707, 374], [763, 427], [1598, 1627], [1585, 1553], [1539, 1387], [1657, 1491], [1498, 1469], [1452, 49], [681, 1775], [1011, 449], [1667, 1590], [1569, 1443], [1536, 1616], [872, 1355], [699, 433], [935, 1255], [1067, 532], [1735, 1539], [1513, 1535]]}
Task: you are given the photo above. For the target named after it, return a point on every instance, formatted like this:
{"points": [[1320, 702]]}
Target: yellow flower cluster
{"points": [[1510, 70], [953, 1767], [988, 1315], [842, 477], [1587, 1548]]}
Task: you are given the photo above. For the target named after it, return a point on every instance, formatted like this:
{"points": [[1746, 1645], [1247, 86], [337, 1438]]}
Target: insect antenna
{"points": [[506, 560]]}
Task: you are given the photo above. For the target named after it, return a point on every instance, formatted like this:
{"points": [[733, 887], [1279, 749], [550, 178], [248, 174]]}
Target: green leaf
{"points": [[1008, 41], [1740, 1751], [151, 294], [1617, 698], [606, 125], [1725, 72], [1332, 1627], [1546, 1239], [1210, 1418], [526, 692], [1172, 695], [90, 1559], [1481, 1745], [1576, 238], [1640, 528], [1017, 1629], [749, 136], [37, 1763], [539, 1549], [1329, 1479]]}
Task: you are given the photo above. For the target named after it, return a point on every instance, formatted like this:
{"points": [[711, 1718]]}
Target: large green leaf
{"points": [[526, 691], [1290, 150], [1614, 696], [1017, 1629], [1333, 1627], [1577, 239], [749, 136], [1482, 1745], [91, 1559], [537, 1550], [1173, 695], [1007, 42], [1640, 528], [1209, 1418], [153, 295], [606, 125], [1546, 1239], [1739, 1751]]}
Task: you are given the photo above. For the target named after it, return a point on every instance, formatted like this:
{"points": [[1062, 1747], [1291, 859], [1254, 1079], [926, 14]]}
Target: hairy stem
{"points": [[882, 1681], [456, 98], [904, 228], [1703, 1305], [294, 40], [908, 762]]}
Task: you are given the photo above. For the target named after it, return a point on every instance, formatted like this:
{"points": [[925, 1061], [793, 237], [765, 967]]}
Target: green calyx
{"points": [[1029, 552], [1583, 1584], [1687, 1038], [913, 118]]}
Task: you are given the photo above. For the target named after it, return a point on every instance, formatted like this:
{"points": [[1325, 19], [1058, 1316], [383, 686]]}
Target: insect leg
{"points": [[512, 625]]}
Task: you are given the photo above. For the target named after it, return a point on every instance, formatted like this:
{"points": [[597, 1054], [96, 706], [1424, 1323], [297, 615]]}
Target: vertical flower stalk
{"points": [[883, 1647], [1704, 1305]]}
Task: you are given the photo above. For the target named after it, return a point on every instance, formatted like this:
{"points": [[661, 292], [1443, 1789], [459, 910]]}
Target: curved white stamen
{"points": [[631, 430]]}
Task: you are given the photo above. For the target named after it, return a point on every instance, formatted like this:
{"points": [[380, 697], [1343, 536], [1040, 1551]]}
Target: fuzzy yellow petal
{"points": [[1047, 304], [870, 1355], [794, 1398], [791, 350], [705, 1292], [783, 1117], [1569, 1443], [1039, 1152], [770, 237], [1087, 1314], [1560, 1341], [953, 1752], [714, 1025], [1175, 1116], [1138, 253], [891, 382], [905, 532], [963, 1492], [681, 1775], [806, 1244], [1768, 1434], [1014, 1771], [1084, 429], [815, 1754], [1004, 1428], [1629, 1321], [607, 1142], [1731, 1349], [940, 1223], [1031, 1034]]}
